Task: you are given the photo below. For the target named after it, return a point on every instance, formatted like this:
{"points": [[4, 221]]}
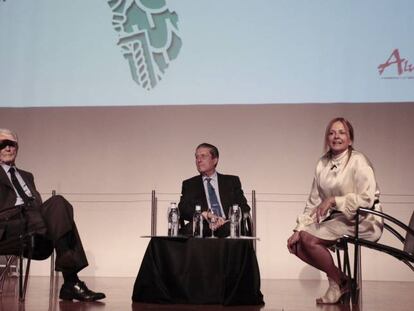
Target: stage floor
{"points": [[278, 295]]}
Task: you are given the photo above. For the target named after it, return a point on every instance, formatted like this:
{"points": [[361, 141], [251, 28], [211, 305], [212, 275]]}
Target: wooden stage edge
{"points": [[295, 295]]}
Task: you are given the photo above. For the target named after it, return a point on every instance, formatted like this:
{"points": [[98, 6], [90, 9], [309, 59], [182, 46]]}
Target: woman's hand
{"points": [[324, 207], [291, 242]]}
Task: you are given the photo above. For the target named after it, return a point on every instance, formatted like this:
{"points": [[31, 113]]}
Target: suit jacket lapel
{"points": [[7, 192], [203, 195], [224, 198], [4, 179]]}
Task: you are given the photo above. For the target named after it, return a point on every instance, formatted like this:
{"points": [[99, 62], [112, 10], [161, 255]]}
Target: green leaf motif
{"points": [[148, 37]]}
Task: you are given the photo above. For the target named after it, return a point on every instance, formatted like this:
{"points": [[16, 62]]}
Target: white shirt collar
{"points": [[6, 167], [339, 160], [213, 177]]}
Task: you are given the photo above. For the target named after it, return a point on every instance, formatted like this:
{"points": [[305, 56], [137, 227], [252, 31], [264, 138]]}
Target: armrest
{"points": [[363, 210], [393, 221]]}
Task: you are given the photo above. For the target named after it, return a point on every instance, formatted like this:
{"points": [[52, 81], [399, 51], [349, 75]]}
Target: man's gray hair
{"points": [[9, 132]]}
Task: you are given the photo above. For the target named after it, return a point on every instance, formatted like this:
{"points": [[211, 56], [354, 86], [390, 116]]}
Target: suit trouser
{"points": [[50, 224], [57, 214]]}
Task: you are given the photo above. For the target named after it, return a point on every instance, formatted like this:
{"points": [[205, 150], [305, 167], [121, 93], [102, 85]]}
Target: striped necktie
{"points": [[215, 205]]}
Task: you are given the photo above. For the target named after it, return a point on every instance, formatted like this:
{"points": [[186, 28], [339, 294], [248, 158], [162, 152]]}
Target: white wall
{"points": [[107, 160]]}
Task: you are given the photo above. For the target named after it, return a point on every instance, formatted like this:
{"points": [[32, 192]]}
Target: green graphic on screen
{"points": [[148, 38]]}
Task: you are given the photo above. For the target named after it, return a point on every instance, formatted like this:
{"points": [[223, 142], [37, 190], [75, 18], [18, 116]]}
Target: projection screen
{"points": [[178, 52]]}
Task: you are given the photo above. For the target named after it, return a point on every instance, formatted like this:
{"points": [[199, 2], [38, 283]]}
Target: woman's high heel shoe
{"points": [[335, 293]]}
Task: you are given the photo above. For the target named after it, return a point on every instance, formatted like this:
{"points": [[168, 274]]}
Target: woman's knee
{"points": [[307, 239], [304, 236]]}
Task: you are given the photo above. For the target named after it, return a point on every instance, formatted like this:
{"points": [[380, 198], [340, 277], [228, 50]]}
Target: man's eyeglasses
{"points": [[6, 142], [203, 156]]}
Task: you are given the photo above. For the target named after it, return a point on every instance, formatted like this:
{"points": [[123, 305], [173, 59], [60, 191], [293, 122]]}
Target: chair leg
{"points": [[21, 277], [346, 269], [347, 266], [338, 259], [23, 283], [6, 270], [357, 277], [54, 276], [52, 264], [26, 278]]}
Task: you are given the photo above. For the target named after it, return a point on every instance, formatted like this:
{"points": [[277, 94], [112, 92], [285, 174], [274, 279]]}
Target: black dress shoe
{"points": [[79, 291]]}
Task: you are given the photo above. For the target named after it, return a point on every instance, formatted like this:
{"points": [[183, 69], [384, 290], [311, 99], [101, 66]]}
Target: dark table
{"points": [[199, 271]]}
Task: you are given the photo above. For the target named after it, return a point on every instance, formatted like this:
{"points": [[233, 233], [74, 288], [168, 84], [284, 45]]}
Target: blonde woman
{"points": [[344, 180]]}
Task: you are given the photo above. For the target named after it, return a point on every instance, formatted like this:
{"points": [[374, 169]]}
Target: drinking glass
{"points": [[212, 220]]}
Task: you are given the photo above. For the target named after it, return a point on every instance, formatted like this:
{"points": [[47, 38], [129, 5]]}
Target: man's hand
{"points": [[219, 221]]}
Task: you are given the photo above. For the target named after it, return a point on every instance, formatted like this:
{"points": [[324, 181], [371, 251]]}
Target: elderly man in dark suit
{"points": [[210, 190], [51, 221]]}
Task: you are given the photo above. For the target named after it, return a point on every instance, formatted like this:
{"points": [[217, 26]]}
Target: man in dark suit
{"points": [[210, 190], [51, 222]]}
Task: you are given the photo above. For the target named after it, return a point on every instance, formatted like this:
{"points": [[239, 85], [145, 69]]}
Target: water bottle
{"points": [[198, 222], [173, 220], [235, 218]]}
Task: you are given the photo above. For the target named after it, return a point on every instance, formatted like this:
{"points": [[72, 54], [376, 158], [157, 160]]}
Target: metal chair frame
{"points": [[25, 252], [355, 274]]}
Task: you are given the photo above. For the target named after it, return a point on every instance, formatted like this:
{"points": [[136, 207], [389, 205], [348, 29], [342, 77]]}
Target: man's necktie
{"points": [[18, 186], [215, 206]]}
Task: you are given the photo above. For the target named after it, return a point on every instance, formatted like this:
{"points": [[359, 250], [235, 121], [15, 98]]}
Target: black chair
{"points": [[20, 245], [391, 224], [15, 246]]}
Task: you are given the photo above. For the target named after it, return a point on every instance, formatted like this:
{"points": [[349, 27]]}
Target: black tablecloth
{"points": [[199, 271]]}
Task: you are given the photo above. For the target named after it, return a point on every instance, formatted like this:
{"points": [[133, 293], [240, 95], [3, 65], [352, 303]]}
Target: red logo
{"points": [[396, 64]]}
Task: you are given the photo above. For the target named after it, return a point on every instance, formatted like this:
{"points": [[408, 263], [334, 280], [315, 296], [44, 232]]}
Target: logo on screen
{"points": [[148, 38], [396, 67]]}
